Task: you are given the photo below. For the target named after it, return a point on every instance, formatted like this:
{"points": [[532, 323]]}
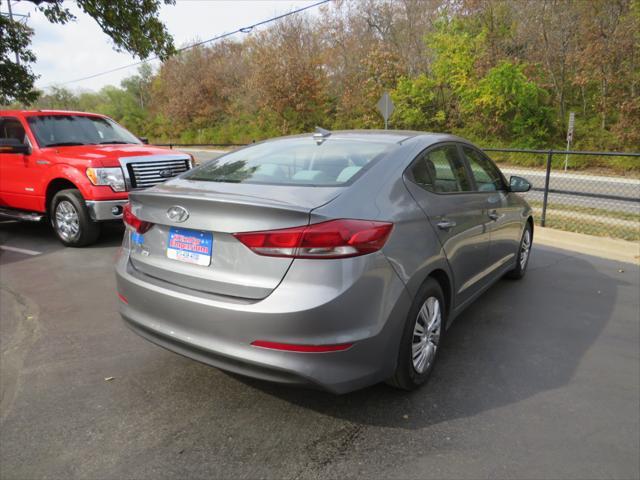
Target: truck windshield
{"points": [[294, 161], [67, 130]]}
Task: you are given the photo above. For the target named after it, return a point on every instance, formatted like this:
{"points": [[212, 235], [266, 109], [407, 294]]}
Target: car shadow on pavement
{"points": [[40, 238], [520, 338]]}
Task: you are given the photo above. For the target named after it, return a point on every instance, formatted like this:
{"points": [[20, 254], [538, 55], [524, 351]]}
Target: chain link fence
{"points": [[601, 198], [597, 193]]}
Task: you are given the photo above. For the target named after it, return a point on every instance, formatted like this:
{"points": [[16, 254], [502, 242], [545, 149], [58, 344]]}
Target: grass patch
{"points": [[594, 228], [598, 212], [626, 166], [591, 221]]}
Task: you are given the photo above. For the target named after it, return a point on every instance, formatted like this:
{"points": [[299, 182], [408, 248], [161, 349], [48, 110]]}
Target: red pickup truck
{"points": [[75, 169]]}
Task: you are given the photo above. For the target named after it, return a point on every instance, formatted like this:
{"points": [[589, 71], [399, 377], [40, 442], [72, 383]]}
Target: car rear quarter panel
{"points": [[413, 249]]}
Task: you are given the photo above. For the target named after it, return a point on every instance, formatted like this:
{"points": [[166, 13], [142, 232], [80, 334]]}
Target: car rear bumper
{"points": [[102, 210], [367, 310]]}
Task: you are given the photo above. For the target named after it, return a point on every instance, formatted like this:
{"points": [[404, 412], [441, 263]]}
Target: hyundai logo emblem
{"points": [[166, 173], [177, 214]]}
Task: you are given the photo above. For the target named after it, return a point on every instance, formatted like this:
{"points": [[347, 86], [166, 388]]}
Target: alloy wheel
{"points": [[67, 220], [525, 248], [426, 335]]}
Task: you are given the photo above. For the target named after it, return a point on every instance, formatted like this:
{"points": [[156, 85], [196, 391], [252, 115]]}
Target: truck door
{"points": [[18, 175]]}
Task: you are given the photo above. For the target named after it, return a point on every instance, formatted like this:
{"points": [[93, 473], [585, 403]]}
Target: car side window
{"points": [[11, 128], [440, 170], [485, 173]]}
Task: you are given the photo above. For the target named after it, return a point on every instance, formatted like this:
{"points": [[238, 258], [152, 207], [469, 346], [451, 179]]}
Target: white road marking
{"points": [[19, 250]]}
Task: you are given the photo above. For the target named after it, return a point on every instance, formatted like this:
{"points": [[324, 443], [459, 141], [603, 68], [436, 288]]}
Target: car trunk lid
{"points": [[218, 210]]}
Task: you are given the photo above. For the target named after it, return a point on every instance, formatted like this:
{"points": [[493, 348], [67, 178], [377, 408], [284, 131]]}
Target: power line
{"points": [[247, 29]]}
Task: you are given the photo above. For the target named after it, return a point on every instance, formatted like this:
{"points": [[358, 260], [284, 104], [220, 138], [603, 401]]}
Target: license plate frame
{"points": [[190, 246]]}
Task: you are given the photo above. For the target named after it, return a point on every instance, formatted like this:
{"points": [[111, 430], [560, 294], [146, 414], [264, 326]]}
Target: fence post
{"points": [[543, 218]]}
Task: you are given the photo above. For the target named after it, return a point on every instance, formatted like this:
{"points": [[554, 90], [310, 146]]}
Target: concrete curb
{"points": [[204, 150], [609, 248]]}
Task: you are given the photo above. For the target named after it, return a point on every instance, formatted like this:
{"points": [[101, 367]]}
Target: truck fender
{"points": [[73, 175]]}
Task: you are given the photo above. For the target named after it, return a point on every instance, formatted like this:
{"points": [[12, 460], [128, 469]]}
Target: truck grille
{"points": [[148, 174]]}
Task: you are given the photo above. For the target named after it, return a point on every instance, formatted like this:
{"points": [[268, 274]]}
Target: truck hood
{"points": [[106, 155]]}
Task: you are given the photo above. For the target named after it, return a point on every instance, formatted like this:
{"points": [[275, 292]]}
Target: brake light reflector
{"points": [[130, 219], [289, 347], [333, 239]]}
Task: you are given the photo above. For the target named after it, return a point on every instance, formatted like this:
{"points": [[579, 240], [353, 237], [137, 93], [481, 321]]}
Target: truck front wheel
{"points": [[70, 219]]}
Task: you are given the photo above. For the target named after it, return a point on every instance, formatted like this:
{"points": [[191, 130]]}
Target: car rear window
{"points": [[298, 161]]}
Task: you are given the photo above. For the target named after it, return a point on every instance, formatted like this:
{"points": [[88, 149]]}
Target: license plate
{"points": [[190, 246]]}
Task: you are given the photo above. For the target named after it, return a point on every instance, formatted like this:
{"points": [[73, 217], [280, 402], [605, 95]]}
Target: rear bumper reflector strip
{"points": [[301, 348]]}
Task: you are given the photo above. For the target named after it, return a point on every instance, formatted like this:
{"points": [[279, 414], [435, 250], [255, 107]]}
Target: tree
{"points": [[550, 30], [508, 105], [500, 73], [58, 98], [417, 105], [133, 26], [16, 79], [288, 75]]}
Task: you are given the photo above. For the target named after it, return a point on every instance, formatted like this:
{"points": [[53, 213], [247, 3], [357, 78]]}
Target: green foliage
{"points": [[417, 106], [456, 51], [507, 105], [132, 25], [16, 79], [501, 104]]}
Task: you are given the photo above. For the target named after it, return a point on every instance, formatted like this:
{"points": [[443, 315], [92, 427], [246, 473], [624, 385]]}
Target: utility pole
{"points": [[11, 20]]}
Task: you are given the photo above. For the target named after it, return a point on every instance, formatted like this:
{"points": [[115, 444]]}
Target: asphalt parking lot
{"points": [[538, 379]]}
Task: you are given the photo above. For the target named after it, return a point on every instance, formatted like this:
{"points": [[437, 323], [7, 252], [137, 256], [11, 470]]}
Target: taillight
{"points": [[130, 219], [332, 239]]}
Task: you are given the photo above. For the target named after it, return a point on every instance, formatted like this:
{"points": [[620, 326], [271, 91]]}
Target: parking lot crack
{"points": [[20, 329], [328, 448]]}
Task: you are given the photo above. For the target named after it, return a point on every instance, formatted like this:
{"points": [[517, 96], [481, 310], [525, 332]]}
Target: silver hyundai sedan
{"points": [[334, 260]]}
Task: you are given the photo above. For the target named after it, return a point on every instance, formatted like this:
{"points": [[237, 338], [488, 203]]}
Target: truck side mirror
{"points": [[144, 140], [13, 145]]}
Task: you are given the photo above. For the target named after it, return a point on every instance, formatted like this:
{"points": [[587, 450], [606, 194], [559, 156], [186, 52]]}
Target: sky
{"points": [[80, 48]]}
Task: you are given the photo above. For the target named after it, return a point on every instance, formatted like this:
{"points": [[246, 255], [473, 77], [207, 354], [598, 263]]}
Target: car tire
{"points": [[70, 219], [523, 255], [423, 334]]}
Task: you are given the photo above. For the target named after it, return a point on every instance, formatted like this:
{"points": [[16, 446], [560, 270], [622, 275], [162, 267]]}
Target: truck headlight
{"points": [[112, 177]]}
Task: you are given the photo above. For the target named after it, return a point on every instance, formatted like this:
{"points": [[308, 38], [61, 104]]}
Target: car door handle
{"points": [[494, 215], [446, 224]]}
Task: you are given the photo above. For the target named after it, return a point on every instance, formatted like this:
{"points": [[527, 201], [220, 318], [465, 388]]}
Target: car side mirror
{"points": [[144, 140], [13, 145], [519, 185]]}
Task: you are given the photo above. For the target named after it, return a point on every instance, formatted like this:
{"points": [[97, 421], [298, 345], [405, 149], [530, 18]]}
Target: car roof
{"points": [[384, 136], [29, 113]]}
